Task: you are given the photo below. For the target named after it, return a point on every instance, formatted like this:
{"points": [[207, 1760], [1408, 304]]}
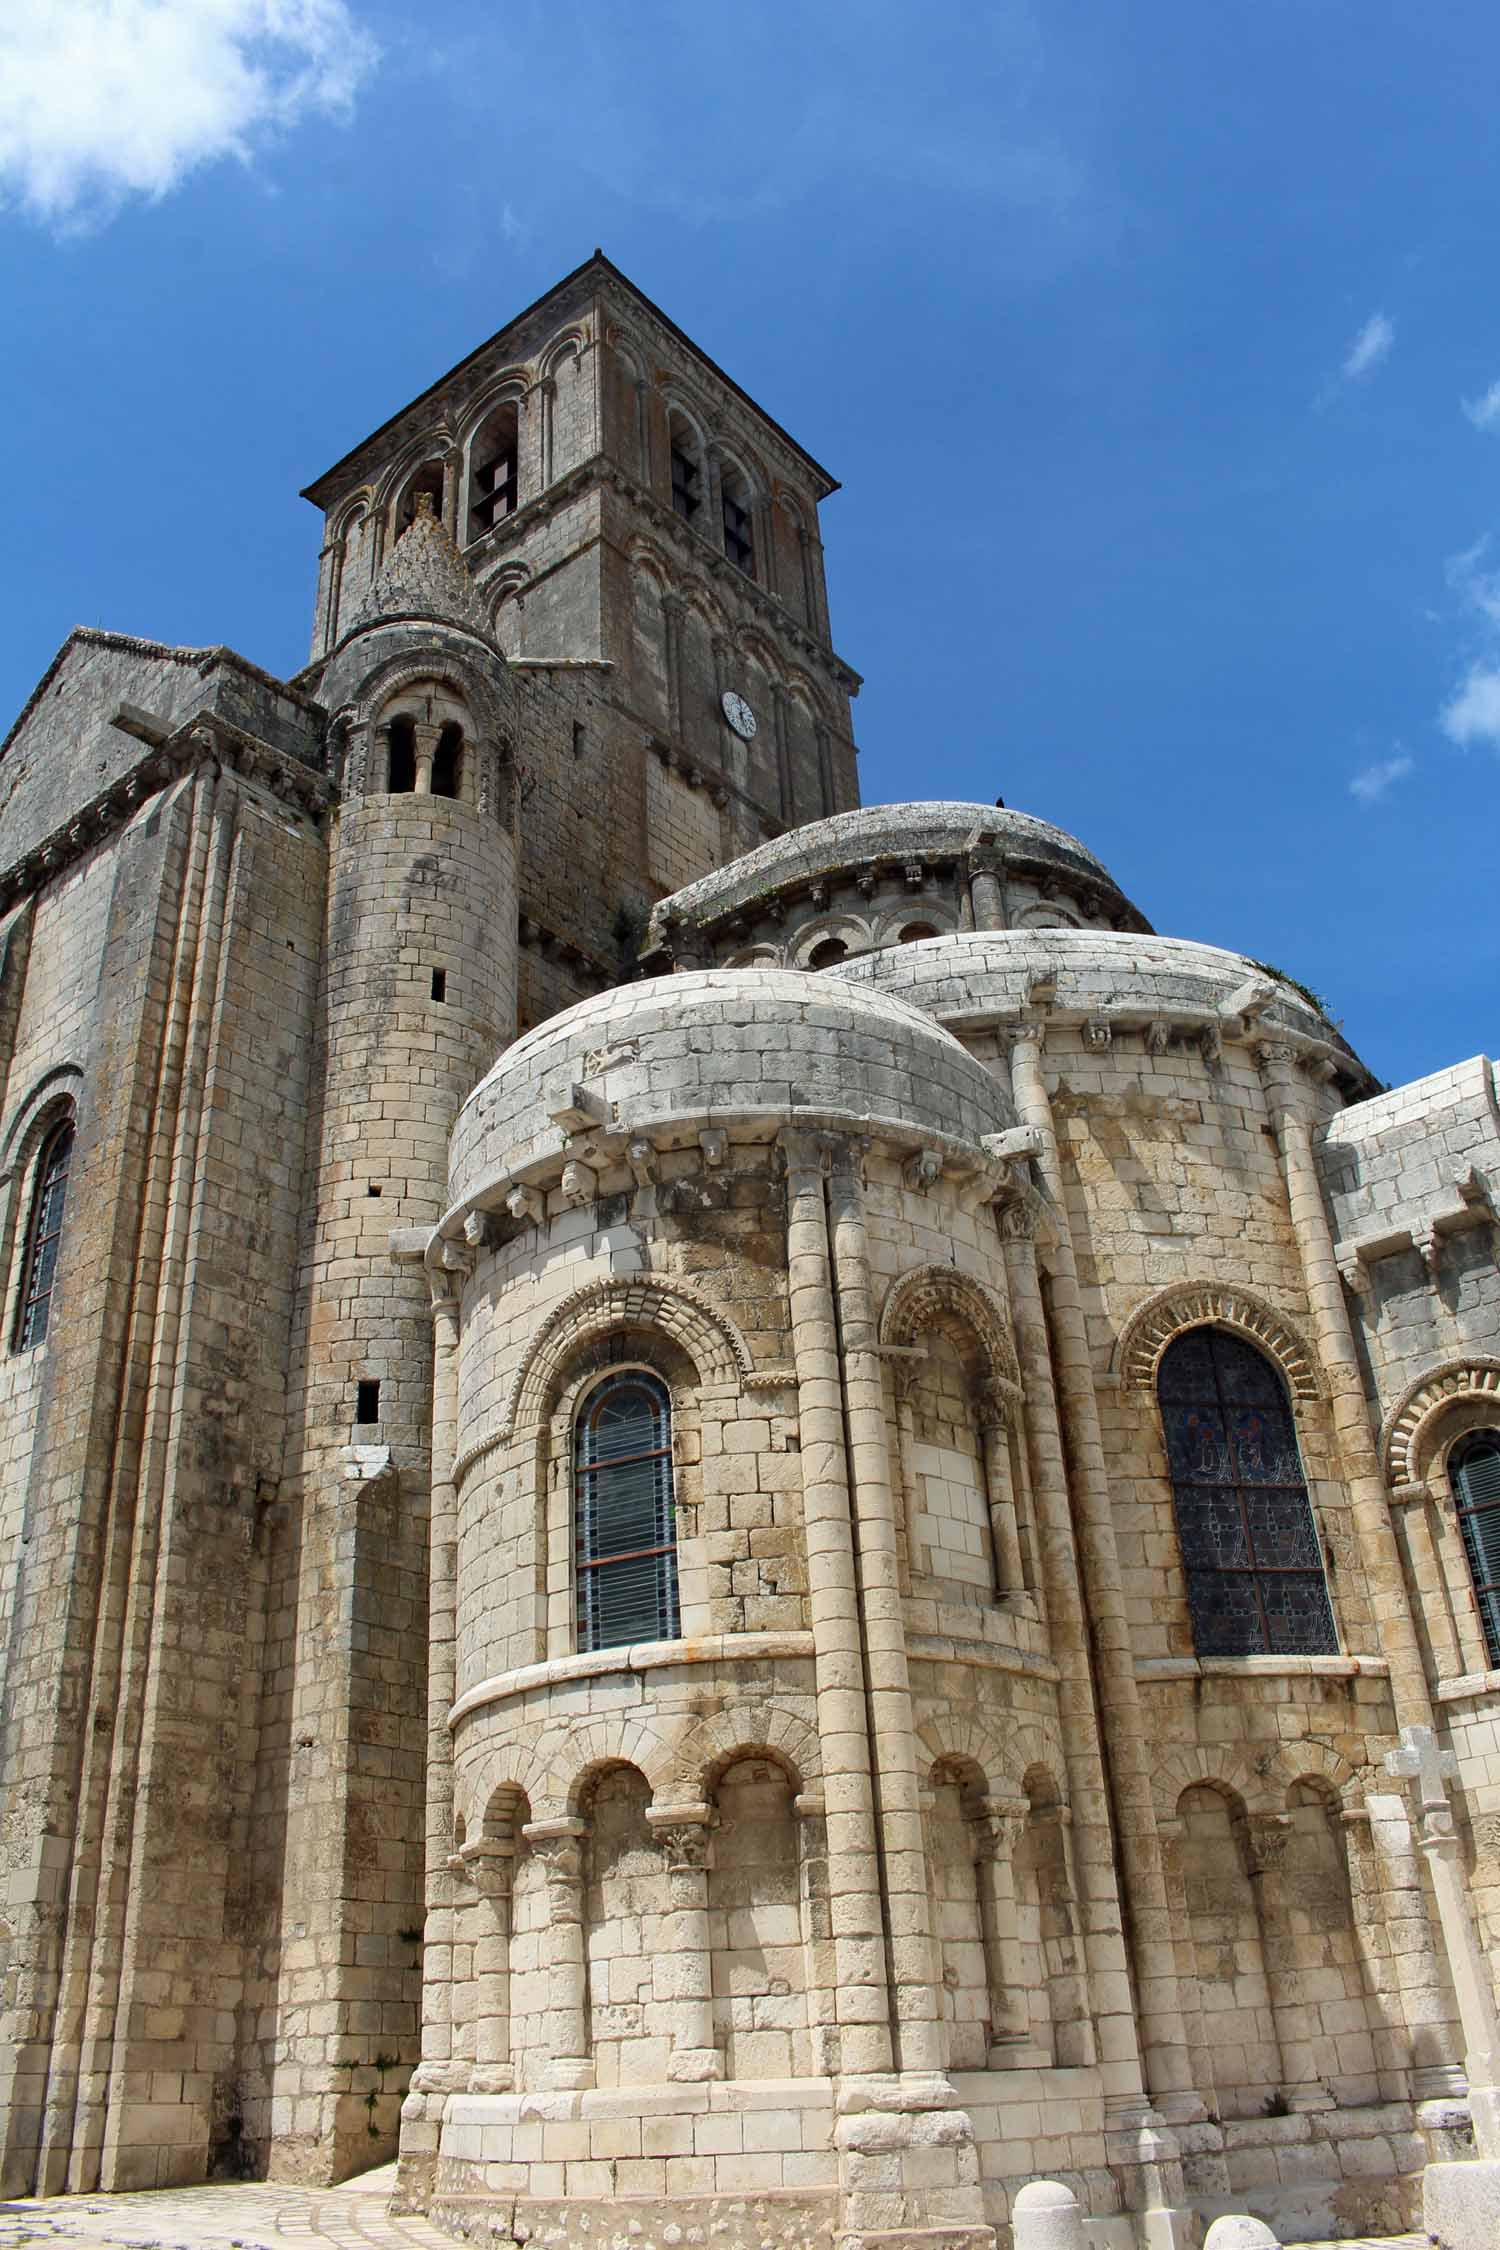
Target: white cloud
{"points": [[1479, 589], [1473, 713], [104, 99], [1484, 412], [1375, 780], [1369, 348]]}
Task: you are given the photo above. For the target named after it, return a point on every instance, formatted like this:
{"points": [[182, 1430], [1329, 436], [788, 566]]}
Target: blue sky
{"points": [[1157, 346]]}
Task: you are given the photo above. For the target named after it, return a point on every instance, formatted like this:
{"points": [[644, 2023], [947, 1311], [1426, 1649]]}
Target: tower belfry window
{"points": [[739, 539], [44, 1236], [687, 484], [494, 479]]}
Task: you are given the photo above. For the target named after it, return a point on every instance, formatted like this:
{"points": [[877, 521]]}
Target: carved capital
{"points": [[1268, 1835], [998, 1824]]}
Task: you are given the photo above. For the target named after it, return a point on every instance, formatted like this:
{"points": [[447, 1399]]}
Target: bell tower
{"points": [[642, 542]]}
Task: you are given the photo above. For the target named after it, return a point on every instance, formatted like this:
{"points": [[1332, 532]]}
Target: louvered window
{"points": [[44, 1236], [1475, 1469], [687, 486], [1249, 1546], [625, 1529]]}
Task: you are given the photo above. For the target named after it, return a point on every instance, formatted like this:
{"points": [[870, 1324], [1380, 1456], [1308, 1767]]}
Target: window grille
{"points": [[1474, 1468], [687, 485], [44, 1236], [739, 542], [624, 1523], [1250, 1550]]}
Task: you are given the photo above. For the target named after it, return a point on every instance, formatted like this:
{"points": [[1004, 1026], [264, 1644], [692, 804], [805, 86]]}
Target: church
{"points": [[731, 1515]]}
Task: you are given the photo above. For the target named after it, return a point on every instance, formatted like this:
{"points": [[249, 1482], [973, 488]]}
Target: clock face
{"points": [[739, 714]]}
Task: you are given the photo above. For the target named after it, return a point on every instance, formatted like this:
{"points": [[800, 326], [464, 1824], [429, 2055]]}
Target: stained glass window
{"points": [[44, 1236], [1249, 1546], [1474, 1468], [624, 1525]]}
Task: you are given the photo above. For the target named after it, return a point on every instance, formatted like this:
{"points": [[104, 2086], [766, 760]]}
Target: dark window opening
{"points": [[446, 761], [401, 769], [439, 984], [625, 1529], [687, 484], [828, 954], [914, 931], [494, 483], [44, 1236], [367, 1401], [739, 543], [429, 481], [578, 738], [1255, 1581], [1474, 1468], [373, 1188]]}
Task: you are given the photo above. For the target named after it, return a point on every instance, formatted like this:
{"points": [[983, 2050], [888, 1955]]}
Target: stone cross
{"points": [[1423, 1762]]}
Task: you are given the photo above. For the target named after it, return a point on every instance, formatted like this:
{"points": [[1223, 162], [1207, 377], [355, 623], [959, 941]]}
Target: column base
{"points": [[492, 2078], [1308, 2101], [440, 2078], [570, 2074], [693, 2066]]}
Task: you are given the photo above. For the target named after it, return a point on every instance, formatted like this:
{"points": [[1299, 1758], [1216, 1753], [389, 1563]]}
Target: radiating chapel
{"points": [[733, 1515]]}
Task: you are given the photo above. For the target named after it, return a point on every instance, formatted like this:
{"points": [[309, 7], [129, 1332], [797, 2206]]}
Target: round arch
{"points": [[1446, 1403], [710, 1338], [933, 1296], [1170, 1312]]}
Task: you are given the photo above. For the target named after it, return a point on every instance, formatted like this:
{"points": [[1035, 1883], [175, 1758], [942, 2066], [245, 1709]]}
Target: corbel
{"points": [[572, 1108], [1158, 1036], [478, 1230], [580, 1183], [714, 1142], [1097, 1034], [526, 1205], [922, 1171], [640, 1155]]}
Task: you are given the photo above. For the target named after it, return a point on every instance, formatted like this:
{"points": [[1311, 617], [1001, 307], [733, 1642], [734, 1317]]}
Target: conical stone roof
{"points": [[424, 576]]}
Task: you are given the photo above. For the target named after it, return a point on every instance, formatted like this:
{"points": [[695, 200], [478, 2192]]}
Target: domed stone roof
{"points": [[757, 1048], [978, 975], [846, 842]]}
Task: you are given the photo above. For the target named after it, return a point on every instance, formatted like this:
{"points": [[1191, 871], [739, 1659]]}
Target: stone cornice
{"points": [[203, 737]]}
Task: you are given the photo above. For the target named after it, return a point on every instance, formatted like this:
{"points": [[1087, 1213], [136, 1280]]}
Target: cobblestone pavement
{"points": [[257, 2215], [261, 2216]]}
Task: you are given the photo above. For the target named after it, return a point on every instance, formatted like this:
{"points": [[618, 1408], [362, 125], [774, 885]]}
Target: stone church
{"points": [[733, 1513]]}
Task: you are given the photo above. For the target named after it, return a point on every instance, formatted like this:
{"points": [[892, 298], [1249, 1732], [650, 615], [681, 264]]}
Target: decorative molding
{"points": [[1406, 1433], [1171, 1312], [931, 1295], [705, 1332]]}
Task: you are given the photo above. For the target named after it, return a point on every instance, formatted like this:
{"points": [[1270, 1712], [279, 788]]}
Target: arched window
{"points": [[828, 953], [447, 768], [738, 510], [428, 479], [625, 1531], [493, 477], [1474, 1467], [1249, 1545], [401, 763], [44, 1236], [687, 466]]}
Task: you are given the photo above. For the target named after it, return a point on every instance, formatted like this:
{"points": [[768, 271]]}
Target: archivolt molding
{"points": [[710, 1746], [465, 681], [38, 1111], [956, 1740], [1170, 1312], [1262, 1782], [929, 1295], [706, 1333], [1410, 1429]]}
